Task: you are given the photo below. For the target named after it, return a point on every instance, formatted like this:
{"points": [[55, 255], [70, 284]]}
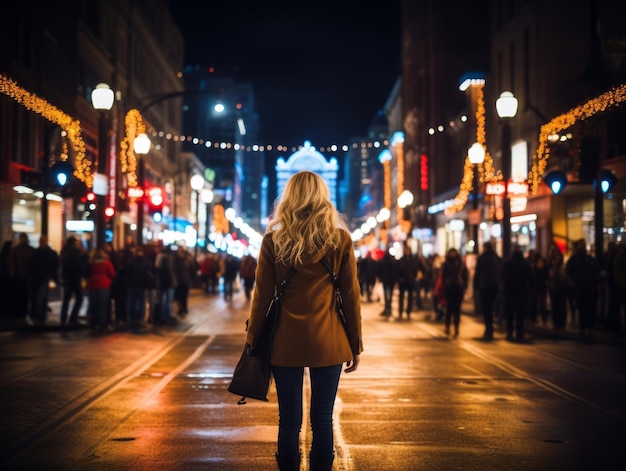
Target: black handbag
{"points": [[252, 376]]}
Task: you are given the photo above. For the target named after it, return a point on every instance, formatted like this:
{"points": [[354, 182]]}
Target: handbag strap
{"points": [[279, 290], [338, 297]]}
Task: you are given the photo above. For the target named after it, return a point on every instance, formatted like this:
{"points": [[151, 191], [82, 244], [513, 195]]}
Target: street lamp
{"points": [[476, 155], [141, 146], [197, 182], [506, 106], [102, 98]]}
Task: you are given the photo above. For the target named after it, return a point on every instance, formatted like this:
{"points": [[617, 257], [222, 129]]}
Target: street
{"points": [[72, 400]]}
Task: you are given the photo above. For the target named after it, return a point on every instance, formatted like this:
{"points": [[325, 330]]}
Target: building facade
{"points": [[58, 56]]}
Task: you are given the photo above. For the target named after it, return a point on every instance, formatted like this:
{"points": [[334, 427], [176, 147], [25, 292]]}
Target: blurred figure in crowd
{"points": [[6, 282], [231, 269], [455, 277], [516, 288], [166, 283], [19, 272], [487, 284], [101, 275], [74, 269], [539, 301], [141, 278], [43, 268], [388, 277], [407, 275], [557, 287], [248, 274], [584, 272], [186, 268]]}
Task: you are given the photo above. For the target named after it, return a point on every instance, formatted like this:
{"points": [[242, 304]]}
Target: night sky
{"points": [[320, 70]]}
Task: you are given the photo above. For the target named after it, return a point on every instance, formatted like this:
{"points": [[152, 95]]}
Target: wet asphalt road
{"points": [[157, 400]]}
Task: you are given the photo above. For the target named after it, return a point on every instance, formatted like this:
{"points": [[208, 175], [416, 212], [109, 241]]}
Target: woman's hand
{"points": [[353, 365]]}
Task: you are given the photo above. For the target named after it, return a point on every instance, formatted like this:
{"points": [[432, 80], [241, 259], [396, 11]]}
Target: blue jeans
{"points": [[289, 384]]}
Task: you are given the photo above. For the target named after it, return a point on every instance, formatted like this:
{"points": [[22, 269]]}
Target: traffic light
{"points": [[61, 172], [155, 203], [607, 180], [556, 180]]}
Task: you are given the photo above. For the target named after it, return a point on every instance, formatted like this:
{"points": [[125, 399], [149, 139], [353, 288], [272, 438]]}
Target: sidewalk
{"points": [[571, 333]]}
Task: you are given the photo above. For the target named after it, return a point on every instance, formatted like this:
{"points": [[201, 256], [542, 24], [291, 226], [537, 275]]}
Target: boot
{"points": [[321, 462], [288, 463]]}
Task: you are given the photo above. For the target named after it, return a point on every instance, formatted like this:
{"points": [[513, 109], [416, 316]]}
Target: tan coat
{"points": [[309, 332]]}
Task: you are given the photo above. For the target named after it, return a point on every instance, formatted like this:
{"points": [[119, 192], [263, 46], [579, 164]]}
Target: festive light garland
{"points": [[594, 106], [82, 166], [486, 171], [226, 145], [128, 160], [135, 126]]}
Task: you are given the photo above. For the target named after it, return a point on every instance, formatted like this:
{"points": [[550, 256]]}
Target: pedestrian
{"points": [[486, 285], [141, 279], [455, 277], [619, 275], [74, 269], [185, 268], [517, 289], [305, 229], [166, 283], [19, 272], [557, 287], [612, 291], [101, 274], [407, 275], [423, 282], [584, 272], [119, 288], [229, 275], [539, 301], [370, 267], [209, 268], [43, 268], [248, 274], [6, 282], [388, 277], [438, 296]]}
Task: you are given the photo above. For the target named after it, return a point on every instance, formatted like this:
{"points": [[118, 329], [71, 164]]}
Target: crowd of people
{"points": [[126, 288], [555, 291]]}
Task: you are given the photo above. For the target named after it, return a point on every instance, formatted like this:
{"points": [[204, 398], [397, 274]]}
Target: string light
{"points": [[128, 160], [594, 106], [253, 148], [486, 170], [82, 166]]}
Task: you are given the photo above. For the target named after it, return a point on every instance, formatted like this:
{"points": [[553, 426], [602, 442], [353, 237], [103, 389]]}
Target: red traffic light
{"points": [[109, 212]]}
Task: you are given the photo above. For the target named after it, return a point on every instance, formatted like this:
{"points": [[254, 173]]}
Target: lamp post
{"points": [[197, 182], [506, 106], [476, 155], [102, 98], [141, 146]]}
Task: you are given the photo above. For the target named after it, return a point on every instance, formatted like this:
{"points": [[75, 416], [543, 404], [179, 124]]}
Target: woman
{"points": [[307, 228], [454, 276]]}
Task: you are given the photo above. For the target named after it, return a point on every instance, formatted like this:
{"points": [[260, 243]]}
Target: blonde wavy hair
{"points": [[305, 221]]}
